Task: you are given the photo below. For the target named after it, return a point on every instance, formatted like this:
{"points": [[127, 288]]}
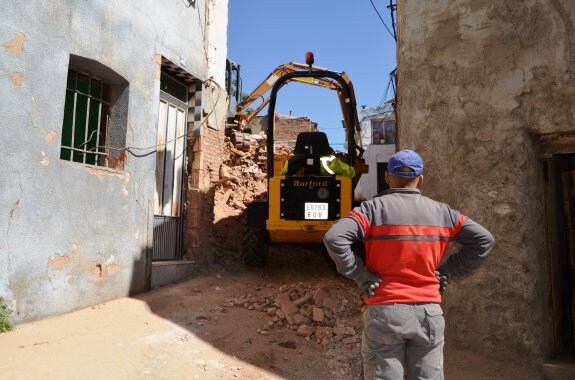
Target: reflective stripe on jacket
{"points": [[406, 235], [334, 164]]}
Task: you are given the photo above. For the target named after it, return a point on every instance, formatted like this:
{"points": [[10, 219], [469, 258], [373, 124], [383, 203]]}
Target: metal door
{"points": [[170, 165]]}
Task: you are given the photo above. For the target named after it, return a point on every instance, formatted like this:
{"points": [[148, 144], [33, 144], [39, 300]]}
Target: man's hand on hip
{"points": [[443, 279], [368, 282]]}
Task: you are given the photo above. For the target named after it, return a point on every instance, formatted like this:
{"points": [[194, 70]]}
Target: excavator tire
{"points": [[254, 247]]}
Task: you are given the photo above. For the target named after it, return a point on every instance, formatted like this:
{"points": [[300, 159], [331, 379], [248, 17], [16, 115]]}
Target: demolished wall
{"points": [[219, 195], [286, 127], [478, 81]]}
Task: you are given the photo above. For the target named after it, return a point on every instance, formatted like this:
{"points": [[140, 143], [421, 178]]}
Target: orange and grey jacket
{"points": [[406, 235]]}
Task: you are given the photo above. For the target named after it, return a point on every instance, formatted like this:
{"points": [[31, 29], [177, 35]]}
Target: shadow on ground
{"points": [[203, 306]]}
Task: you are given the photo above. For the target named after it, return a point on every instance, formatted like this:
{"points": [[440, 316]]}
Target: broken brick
{"points": [[318, 315], [298, 319], [302, 300], [350, 340], [322, 332], [344, 331], [319, 297], [331, 303], [305, 330]]}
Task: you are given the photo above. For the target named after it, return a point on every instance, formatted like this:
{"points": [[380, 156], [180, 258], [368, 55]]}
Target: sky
{"points": [[344, 36]]}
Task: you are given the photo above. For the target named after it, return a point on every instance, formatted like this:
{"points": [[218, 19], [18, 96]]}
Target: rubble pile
{"points": [[242, 176], [241, 179], [316, 315]]}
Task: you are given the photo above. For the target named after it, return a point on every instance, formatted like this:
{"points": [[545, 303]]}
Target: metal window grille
{"points": [[377, 135], [389, 131], [86, 120]]}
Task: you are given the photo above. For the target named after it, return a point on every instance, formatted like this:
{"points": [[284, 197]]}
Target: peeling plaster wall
{"points": [[477, 80], [71, 235]]}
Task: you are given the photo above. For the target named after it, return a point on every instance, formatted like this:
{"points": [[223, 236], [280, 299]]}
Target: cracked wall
{"points": [[478, 82], [75, 235]]}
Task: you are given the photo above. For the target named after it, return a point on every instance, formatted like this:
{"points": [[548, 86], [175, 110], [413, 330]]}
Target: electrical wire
{"points": [[383, 22], [130, 149], [393, 7], [384, 97], [205, 120]]}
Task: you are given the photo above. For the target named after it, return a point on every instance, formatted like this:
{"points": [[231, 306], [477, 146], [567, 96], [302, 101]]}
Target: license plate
{"points": [[316, 210]]}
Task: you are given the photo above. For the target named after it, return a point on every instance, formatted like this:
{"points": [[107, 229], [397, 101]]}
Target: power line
{"points": [[383, 22], [392, 8]]}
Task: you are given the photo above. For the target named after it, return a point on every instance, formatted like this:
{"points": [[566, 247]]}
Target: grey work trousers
{"points": [[403, 339]]}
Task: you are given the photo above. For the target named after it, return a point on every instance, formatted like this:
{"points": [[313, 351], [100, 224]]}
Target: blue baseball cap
{"points": [[405, 163]]}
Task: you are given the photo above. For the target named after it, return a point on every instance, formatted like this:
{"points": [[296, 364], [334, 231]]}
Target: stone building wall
{"points": [[482, 85]]}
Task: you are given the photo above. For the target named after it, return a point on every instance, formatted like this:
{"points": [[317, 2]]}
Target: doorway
{"points": [[381, 184], [561, 182], [170, 169]]}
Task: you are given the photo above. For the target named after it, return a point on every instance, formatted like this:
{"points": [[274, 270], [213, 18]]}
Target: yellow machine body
{"points": [[302, 231]]}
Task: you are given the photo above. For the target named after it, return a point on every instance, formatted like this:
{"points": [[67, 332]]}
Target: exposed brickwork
{"points": [[287, 128], [205, 155]]}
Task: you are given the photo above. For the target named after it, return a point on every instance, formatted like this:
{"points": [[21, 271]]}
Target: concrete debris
{"points": [[305, 330], [242, 178], [313, 314], [244, 173]]}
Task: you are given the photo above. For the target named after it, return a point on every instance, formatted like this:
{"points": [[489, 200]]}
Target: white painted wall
{"points": [[374, 153], [62, 222]]}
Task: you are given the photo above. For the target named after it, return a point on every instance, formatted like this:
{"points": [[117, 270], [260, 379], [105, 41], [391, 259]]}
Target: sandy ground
{"points": [[202, 329]]}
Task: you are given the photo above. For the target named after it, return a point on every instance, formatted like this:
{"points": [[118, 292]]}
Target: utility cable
{"points": [[130, 149], [383, 22], [393, 7]]}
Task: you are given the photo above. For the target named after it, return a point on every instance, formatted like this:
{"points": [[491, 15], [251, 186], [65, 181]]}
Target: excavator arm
{"points": [[242, 119]]}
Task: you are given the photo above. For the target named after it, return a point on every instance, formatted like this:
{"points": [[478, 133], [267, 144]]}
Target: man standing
{"points": [[405, 235]]}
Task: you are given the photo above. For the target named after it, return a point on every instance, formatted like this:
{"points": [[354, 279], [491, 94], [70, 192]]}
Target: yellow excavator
{"points": [[301, 205]]}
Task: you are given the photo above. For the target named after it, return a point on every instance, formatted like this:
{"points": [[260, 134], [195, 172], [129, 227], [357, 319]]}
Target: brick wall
{"points": [[205, 154], [287, 128]]}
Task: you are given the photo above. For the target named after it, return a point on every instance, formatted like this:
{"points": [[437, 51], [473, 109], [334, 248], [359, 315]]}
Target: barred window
{"points": [[86, 116], [95, 115], [377, 134], [389, 131], [382, 132]]}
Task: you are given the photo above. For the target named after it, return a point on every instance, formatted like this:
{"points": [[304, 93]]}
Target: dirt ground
{"points": [[295, 319], [222, 323]]}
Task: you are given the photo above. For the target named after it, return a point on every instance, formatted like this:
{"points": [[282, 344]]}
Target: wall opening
{"points": [[560, 175], [381, 184], [177, 115], [95, 115]]}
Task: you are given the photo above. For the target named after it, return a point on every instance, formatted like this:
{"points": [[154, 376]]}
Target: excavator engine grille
{"points": [[310, 198]]}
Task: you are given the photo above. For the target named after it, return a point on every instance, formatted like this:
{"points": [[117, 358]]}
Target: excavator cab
{"points": [[304, 202], [310, 147]]}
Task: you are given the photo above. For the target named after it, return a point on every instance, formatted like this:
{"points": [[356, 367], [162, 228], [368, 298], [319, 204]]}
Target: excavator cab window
{"points": [[309, 148]]}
